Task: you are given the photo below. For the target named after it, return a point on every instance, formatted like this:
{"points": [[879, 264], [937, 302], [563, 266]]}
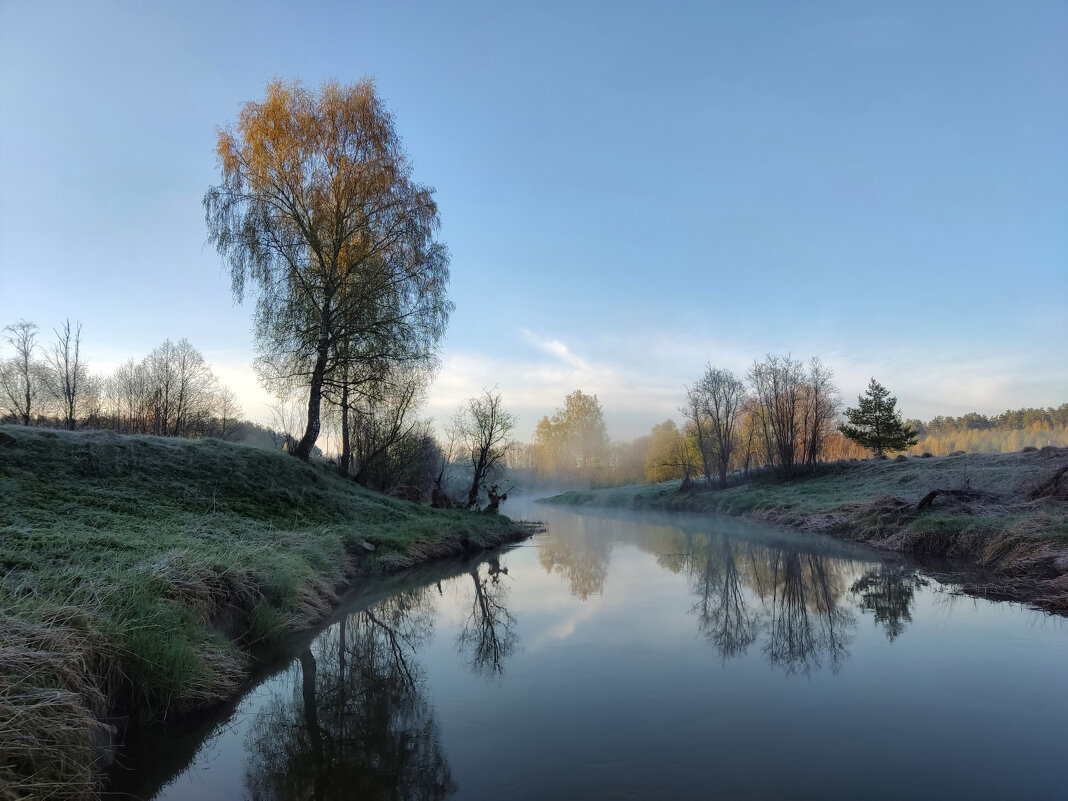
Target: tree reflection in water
{"points": [[357, 724], [888, 592], [793, 599], [488, 633], [581, 556], [790, 597], [806, 621], [723, 615]]}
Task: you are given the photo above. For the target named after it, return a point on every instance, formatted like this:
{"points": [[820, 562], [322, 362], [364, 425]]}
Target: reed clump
{"points": [[52, 703]]}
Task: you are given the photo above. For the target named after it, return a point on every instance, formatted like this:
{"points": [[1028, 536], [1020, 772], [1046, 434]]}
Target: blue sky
{"points": [[628, 190]]}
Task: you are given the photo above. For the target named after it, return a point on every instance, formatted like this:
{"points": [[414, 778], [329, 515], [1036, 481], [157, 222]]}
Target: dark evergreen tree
{"points": [[875, 423]]}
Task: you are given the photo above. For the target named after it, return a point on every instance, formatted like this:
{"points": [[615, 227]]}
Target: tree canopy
{"points": [[665, 456], [713, 406], [875, 424], [318, 210], [573, 443], [481, 428]]}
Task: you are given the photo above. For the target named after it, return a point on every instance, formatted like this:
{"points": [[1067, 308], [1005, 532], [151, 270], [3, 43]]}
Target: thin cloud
{"points": [[556, 348]]}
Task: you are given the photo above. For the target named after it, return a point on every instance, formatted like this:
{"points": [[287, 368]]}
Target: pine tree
{"points": [[875, 424]]}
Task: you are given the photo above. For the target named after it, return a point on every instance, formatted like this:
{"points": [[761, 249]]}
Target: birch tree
{"points": [[318, 213]]}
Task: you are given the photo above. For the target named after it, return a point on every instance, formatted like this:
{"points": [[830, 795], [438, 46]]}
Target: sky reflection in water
{"points": [[652, 658]]}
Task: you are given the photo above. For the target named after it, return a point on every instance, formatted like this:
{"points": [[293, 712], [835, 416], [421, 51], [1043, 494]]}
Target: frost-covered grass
{"points": [[151, 567], [831, 486]]}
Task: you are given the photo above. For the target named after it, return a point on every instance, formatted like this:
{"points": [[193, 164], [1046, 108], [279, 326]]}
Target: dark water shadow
{"points": [[373, 637]]}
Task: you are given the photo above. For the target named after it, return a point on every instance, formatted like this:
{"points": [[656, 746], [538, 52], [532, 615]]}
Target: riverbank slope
{"points": [[1006, 514], [138, 574]]}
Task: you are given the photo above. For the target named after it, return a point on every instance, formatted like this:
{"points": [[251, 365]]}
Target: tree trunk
{"points": [[346, 444], [29, 398], [315, 392], [472, 495], [476, 482], [315, 399], [315, 402]]}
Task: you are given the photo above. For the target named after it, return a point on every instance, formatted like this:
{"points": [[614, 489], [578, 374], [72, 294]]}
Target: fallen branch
{"points": [[961, 495], [928, 499], [1048, 487]]}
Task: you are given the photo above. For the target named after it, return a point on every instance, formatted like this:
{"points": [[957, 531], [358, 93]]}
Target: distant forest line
{"points": [[628, 463], [1012, 430], [654, 457]]}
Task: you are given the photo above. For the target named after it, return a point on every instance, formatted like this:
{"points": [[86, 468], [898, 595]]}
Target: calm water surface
{"points": [[647, 658]]}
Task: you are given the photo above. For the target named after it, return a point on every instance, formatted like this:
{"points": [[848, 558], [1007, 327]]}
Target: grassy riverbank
{"points": [[137, 573], [1004, 513]]}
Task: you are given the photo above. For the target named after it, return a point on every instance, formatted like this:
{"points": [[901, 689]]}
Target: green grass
{"points": [[157, 564]]}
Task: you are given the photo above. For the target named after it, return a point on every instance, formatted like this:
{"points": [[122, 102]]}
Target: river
{"points": [[643, 657]]}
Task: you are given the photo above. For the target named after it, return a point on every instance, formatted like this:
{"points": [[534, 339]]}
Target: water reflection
{"points": [[888, 592], [580, 555], [791, 599], [355, 714], [806, 621], [488, 635], [356, 722], [724, 614], [798, 598]]}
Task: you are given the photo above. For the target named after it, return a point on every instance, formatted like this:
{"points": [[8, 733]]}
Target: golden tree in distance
{"points": [[573, 444], [317, 210]]}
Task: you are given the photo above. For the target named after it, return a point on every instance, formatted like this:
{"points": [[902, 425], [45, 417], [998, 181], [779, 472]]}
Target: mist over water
{"points": [[643, 656]]}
